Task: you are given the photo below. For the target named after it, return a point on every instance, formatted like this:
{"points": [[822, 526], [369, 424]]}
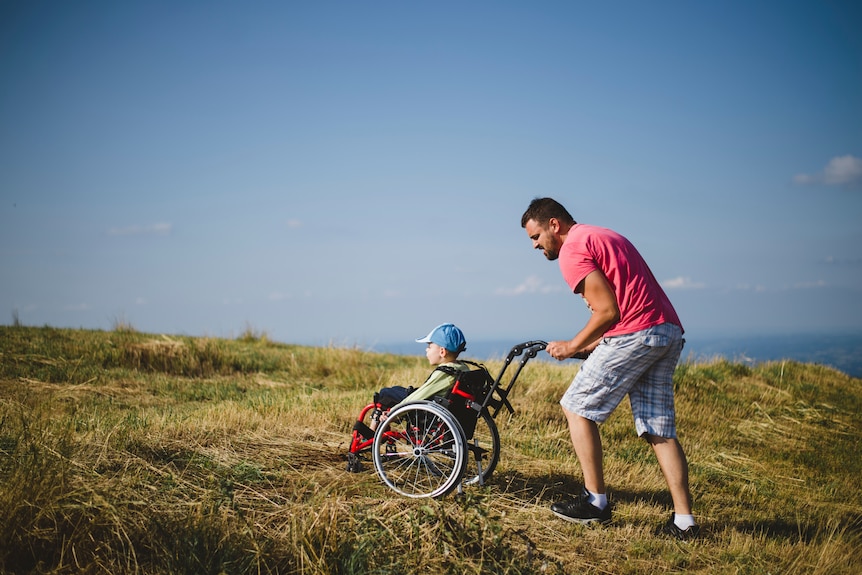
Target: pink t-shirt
{"points": [[641, 300]]}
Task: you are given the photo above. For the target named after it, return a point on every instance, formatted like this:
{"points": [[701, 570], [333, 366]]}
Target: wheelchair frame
{"points": [[429, 448]]}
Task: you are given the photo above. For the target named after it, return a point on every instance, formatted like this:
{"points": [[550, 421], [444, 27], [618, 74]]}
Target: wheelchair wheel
{"points": [[485, 442], [420, 450]]}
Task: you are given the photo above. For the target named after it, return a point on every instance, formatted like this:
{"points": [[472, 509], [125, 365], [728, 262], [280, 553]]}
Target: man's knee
{"points": [[577, 421], [571, 416]]}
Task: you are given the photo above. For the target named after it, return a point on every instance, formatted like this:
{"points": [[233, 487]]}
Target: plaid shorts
{"points": [[639, 365]]}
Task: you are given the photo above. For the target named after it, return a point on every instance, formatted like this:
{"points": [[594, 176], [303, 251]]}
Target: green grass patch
{"points": [[125, 452]]}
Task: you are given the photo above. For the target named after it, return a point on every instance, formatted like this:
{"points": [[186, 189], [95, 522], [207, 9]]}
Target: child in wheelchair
{"points": [[444, 344]]}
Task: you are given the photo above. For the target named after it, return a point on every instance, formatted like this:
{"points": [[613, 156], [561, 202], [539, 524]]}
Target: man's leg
{"points": [[601, 383], [674, 466], [588, 447], [591, 505]]}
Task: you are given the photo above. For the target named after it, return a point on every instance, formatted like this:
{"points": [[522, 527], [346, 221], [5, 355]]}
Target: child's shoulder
{"points": [[460, 365], [451, 368]]}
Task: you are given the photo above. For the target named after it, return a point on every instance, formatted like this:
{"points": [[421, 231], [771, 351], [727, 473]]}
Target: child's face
{"points": [[435, 354]]}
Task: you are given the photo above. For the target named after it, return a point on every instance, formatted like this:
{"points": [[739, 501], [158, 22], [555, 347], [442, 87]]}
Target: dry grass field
{"points": [[123, 452]]}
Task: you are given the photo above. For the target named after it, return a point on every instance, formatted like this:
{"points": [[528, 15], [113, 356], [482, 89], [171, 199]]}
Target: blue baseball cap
{"points": [[446, 335]]}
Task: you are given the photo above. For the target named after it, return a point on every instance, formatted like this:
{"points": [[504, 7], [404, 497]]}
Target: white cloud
{"points": [[760, 288], [294, 224], [750, 287], [159, 229], [682, 282], [832, 260], [533, 284], [840, 171], [843, 170], [809, 285]]}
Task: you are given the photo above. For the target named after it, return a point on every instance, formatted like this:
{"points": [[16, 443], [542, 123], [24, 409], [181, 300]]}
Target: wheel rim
{"points": [[420, 450]]}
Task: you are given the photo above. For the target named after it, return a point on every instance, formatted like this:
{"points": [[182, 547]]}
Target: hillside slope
{"points": [[123, 452]]}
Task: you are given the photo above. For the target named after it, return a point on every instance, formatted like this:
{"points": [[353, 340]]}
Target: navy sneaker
{"points": [[670, 529], [581, 510]]}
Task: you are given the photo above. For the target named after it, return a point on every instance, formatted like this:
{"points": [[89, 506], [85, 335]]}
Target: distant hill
{"points": [[843, 352]]}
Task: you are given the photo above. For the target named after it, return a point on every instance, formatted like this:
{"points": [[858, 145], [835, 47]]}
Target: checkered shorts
{"points": [[639, 365]]}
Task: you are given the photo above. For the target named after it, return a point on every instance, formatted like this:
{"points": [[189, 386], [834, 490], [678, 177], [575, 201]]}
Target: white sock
{"points": [[683, 521], [599, 500]]}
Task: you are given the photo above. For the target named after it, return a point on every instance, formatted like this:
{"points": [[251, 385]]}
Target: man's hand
{"points": [[561, 350], [600, 297]]}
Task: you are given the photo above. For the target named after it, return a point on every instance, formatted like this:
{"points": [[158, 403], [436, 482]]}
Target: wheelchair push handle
{"points": [[531, 348], [534, 347]]}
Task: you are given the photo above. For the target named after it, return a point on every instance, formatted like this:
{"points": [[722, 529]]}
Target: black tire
{"points": [[488, 448]]}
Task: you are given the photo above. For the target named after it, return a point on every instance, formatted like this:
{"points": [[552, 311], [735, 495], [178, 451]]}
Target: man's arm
{"points": [[603, 303]]}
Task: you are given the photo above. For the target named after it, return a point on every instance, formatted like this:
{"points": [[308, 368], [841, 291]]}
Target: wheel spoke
{"points": [[420, 451]]}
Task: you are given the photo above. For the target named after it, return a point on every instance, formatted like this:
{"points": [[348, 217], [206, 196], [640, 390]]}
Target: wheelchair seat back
{"points": [[466, 397]]}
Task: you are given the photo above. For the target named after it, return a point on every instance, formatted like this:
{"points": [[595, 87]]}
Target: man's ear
{"points": [[554, 225]]}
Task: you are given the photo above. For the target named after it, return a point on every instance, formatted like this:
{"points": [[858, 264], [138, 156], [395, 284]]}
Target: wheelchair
{"points": [[429, 448]]}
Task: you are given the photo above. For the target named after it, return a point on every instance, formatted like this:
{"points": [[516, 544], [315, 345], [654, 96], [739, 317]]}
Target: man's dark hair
{"points": [[543, 209]]}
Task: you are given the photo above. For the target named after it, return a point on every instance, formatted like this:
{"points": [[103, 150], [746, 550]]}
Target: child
{"points": [[445, 344]]}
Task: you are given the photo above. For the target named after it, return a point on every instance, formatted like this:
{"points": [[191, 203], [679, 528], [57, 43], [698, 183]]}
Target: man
{"points": [[632, 342]]}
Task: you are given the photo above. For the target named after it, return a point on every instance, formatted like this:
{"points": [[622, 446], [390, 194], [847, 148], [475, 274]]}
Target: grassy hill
{"points": [[123, 452]]}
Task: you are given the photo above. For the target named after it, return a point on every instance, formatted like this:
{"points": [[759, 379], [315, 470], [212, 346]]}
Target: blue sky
{"points": [[354, 172]]}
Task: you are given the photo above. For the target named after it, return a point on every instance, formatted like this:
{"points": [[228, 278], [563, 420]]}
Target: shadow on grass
{"points": [[556, 486], [807, 533], [545, 489]]}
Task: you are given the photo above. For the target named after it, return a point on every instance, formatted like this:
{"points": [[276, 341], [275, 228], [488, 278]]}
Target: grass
{"points": [[124, 452]]}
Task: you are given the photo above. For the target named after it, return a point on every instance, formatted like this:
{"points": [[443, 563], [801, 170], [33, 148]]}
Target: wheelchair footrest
{"points": [[363, 430], [354, 464]]}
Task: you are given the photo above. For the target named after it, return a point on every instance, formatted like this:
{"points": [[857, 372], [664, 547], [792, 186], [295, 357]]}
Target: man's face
{"points": [[545, 238]]}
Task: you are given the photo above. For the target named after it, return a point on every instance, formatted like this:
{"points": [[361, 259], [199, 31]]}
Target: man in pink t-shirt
{"points": [[631, 342]]}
